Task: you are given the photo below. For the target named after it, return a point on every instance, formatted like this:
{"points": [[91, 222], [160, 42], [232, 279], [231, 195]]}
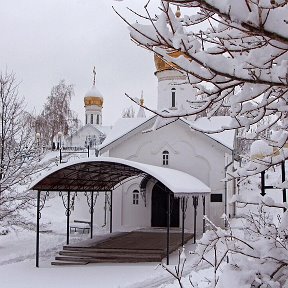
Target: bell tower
{"points": [[174, 89], [93, 103]]}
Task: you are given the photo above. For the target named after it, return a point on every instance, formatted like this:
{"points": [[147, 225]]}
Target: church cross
{"points": [[94, 72]]}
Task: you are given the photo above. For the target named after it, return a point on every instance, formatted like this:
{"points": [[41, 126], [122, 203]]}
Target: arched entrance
{"points": [[159, 207]]}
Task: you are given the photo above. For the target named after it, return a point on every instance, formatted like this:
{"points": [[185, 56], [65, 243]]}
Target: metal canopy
{"points": [[104, 173], [89, 176]]}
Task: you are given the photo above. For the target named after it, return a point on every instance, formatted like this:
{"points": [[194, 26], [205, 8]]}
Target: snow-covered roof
{"points": [[213, 124], [124, 126], [93, 92], [100, 129], [104, 129], [121, 128], [86, 174]]}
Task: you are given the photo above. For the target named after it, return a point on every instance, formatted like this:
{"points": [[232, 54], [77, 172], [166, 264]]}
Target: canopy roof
{"points": [[104, 173]]}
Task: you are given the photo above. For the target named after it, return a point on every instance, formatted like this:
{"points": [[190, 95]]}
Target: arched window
{"points": [[135, 199], [91, 119], [165, 156], [173, 95]]}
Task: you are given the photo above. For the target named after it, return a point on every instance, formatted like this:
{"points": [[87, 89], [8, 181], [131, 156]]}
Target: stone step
{"points": [[95, 255], [73, 259], [60, 263], [112, 250], [87, 260]]}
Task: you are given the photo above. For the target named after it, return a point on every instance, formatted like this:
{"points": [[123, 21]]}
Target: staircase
{"points": [[133, 247], [84, 255]]}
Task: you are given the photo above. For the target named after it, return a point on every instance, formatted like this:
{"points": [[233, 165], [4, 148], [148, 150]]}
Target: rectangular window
{"points": [[216, 198], [97, 119], [135, 197], [173, 92], [173, 99], [91, 120], [165, 158]]}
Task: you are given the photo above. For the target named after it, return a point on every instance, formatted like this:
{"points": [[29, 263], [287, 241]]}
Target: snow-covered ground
{"points": [[17, 256], [17, 261]]}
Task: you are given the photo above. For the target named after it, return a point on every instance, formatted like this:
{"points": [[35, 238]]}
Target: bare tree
{"points": [[19, 154], [57, 115], [235, 50]]}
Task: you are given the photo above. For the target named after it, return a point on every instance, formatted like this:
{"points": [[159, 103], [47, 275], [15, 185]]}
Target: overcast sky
{"points": [[44, 41]]}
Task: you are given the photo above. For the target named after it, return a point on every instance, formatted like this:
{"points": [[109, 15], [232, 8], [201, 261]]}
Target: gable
{"points": [[85, 130], [125, 128]]}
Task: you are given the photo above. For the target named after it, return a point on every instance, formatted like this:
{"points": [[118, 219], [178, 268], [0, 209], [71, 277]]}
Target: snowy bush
{"points": [[254, 256]]}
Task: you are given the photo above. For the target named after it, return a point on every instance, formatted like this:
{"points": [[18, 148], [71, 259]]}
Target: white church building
{"points": [[93, 132], [140, 201]]}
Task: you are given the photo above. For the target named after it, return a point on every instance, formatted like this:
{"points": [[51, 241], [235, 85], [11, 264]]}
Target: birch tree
{"points": [[57, 115]]}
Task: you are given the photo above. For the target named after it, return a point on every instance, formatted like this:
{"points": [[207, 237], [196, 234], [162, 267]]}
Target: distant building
{"points": [[93, 133]]}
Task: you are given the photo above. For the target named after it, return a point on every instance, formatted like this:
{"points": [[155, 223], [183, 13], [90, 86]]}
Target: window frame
{"points": [[173, 98], [135, 197], [165, 158]]}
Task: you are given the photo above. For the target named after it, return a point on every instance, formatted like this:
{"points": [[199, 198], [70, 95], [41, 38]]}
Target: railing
{"points": [[73, 150]]}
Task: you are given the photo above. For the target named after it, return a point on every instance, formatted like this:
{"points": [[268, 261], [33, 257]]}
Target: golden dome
{"points": [[178, 12], [93, 97], [161, 65], [90, 100]]}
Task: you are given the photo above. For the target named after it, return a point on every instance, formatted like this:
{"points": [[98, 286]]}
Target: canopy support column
{"points": [[91, 215], [111, 209], [68, 205], [91, 201], [38, 228], [184, 202], [68, 218], [40, 205], [195, 204], [168, 225], [204, 212]]}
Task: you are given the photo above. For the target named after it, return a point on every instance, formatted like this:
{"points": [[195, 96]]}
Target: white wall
{"points": [[184, 91], [94, 110], [78, 139], [189, 151]]}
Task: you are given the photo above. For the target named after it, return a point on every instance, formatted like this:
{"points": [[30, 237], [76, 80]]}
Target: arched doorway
{"points": [[159, 207]]}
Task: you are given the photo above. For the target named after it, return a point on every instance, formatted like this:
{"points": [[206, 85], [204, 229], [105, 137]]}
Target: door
{"points": [[159, 207]]}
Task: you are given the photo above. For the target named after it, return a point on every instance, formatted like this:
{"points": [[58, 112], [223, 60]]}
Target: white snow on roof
{"points": [[178, 182], [122, 127], [216, 123], [204, 124], [104, 129], [93, 92]]}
